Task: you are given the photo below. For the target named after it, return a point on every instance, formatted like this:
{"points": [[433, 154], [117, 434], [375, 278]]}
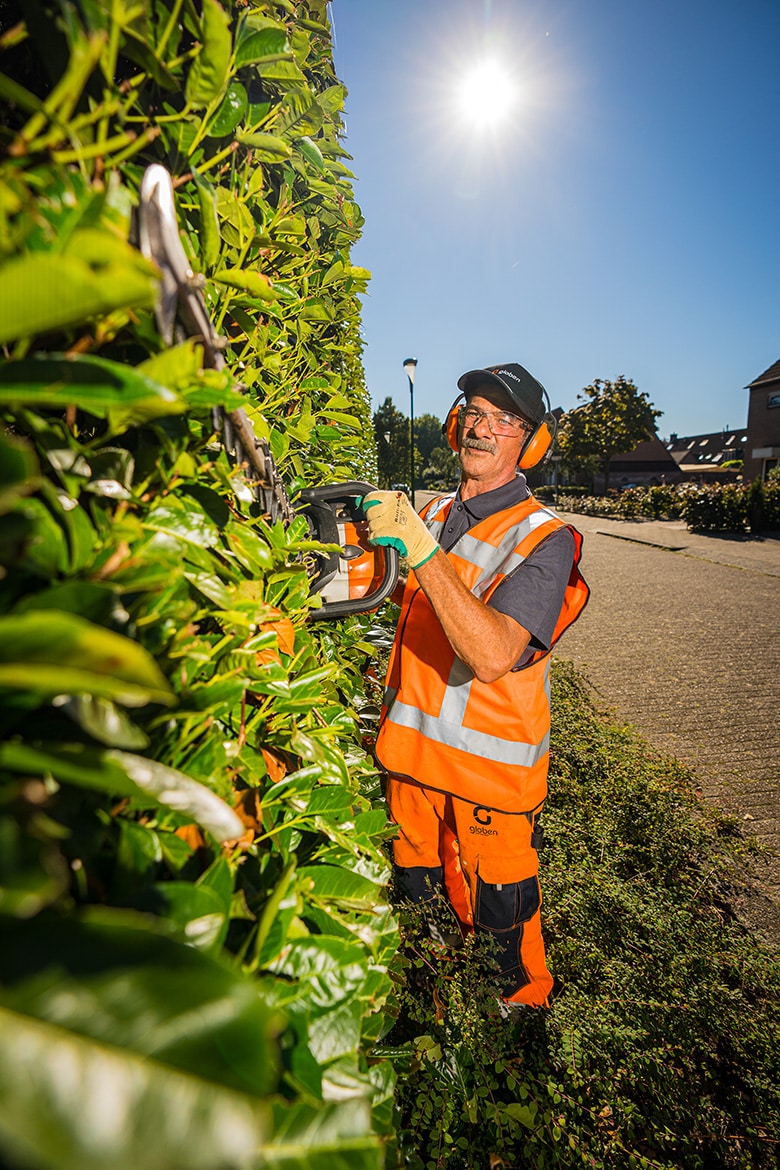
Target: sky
{"points": [[622, 218]]}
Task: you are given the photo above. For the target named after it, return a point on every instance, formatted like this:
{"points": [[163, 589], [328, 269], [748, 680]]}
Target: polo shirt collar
{"points": [[488, 503]]}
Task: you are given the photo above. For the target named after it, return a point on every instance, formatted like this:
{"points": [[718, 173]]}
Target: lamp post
{"points": [[410, 365]]}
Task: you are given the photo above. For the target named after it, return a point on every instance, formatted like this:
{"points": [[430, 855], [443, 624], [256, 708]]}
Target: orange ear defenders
{"points": [[537, 447]]}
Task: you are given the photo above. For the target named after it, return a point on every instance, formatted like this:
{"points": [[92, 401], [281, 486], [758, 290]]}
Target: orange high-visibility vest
{"points": [[487, 743]]}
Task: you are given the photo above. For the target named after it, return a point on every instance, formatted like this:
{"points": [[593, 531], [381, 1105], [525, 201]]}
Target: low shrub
{"points": [[753, 507], [716, 508]]}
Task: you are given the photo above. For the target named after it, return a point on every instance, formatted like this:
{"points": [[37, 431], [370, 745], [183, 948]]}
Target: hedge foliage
{"points": [[196, 937], [753, 507]]}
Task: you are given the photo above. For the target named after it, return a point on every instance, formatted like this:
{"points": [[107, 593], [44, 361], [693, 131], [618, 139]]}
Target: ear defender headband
{"points": [[539, 444]]}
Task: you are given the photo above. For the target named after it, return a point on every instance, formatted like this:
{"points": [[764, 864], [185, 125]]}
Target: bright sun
{"points": [[486, 95]]}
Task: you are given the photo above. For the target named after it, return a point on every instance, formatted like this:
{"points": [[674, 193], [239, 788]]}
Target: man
{"points": [[464, 735]]}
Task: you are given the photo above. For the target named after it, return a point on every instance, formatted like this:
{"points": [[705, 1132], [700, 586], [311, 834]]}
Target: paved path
{"points": [[684, 645]]}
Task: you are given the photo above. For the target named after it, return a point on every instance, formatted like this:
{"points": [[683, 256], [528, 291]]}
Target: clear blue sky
{"points": [[625, 221]]}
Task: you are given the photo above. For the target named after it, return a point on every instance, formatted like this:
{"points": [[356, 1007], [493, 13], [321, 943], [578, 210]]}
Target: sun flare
{"points": [[486, 95]]}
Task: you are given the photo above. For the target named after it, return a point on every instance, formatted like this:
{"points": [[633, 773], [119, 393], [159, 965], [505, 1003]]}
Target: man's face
{"points": [[488, 459]]}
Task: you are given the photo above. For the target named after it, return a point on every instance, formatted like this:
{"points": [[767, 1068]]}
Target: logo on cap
{"points": [[508, 374]]}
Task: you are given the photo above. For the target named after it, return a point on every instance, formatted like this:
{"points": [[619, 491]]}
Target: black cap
{"points": [[528, 395]]}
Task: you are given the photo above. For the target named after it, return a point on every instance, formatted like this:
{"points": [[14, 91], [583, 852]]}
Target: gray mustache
{"points": [[481, 445]]}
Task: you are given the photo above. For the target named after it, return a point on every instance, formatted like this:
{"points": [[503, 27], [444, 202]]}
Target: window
{"points": [[773, 400]]}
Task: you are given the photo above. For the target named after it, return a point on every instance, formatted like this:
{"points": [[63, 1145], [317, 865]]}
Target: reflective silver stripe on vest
{"points": [[434, 526], [389, 697], [447, 727], [500, 558], [476, 743]]}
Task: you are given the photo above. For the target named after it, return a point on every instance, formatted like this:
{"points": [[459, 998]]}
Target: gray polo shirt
{"points": [[533, 593]]}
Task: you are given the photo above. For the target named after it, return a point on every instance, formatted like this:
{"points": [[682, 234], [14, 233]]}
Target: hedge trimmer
{"points": [[352, 577]]}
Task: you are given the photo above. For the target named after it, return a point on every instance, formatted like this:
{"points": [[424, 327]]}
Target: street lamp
{"points": [[410, 365]]}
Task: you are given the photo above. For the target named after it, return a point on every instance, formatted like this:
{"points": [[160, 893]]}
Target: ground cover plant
{"points": [[195, 932], [661, 1049]]}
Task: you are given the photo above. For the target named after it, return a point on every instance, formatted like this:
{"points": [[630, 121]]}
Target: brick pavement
{"points": [[684, 645]]}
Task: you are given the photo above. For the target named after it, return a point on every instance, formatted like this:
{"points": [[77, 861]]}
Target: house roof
{"points": [[770, 375], [710, 450], [651, 451]]}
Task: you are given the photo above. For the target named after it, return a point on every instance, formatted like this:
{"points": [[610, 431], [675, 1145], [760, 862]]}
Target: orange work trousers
{"points": [[486, 863]]}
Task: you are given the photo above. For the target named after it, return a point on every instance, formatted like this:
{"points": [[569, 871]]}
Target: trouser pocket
{"points": [[503, 911]]}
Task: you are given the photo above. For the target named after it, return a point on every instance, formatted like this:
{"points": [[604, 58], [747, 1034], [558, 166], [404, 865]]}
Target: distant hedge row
{"points": [[753, 507]]}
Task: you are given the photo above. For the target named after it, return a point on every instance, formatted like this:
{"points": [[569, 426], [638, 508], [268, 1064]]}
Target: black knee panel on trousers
{"points": [[424, 885], [502, 911], [420, 883]]}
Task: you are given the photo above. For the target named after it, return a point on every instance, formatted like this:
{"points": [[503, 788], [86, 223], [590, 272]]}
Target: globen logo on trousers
{"points": [[482, 822]]}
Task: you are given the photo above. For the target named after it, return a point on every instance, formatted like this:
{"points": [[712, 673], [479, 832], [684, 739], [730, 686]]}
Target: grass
{"points": [[662, 1049]]}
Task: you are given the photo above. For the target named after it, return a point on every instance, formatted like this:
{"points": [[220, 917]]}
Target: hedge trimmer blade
{"points": [[181, 312]]}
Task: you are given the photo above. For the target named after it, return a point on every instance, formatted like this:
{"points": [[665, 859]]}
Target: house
{"points": [[706, 458], [762, 451], [647, 465], [718, 457]]}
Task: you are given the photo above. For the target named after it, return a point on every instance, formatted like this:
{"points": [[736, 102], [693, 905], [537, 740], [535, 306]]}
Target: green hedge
{"points": [[753, 507], [191, 875]]}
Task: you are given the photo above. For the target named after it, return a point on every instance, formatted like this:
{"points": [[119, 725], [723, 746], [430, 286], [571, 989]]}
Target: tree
{"points": [[427, 436], [442, 471], [436, 467], [614, 417], [391, 428]]}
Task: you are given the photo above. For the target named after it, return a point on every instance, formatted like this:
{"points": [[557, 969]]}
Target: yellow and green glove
{"points": [[392, 520]]}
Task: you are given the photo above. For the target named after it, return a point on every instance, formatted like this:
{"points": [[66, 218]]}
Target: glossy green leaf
{"points": [[46, 545], [331, 968], [55, 653], [197, 910], [209, 72], [218, 877], [44, 291], [263, 40], [209, 237], [103, 720], [266, 147], [180, 792], [122, 773], [117, 977], [230, 112], [311, 152], [71, 1103], [256, 283], [95, 601], [335, 884], [300, 114], [82, 538], [19, 471], [176, 367], [184, 519], [237, 226], [101, 387]]}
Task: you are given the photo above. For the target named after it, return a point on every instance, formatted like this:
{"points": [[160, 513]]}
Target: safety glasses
{"points": [[500, 422]]}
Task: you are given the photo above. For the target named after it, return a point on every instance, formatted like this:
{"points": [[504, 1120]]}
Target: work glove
{"points": [[392, 520]]}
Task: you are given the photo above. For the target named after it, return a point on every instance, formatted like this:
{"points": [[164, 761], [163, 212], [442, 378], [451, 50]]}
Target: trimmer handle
{"points": [[336, 516]]}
